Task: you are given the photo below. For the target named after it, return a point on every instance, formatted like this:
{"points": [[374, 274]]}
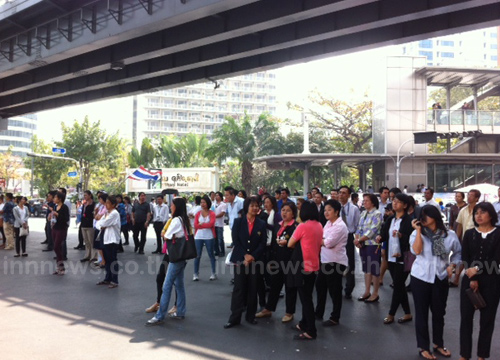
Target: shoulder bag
{"points": [[181, 249]]}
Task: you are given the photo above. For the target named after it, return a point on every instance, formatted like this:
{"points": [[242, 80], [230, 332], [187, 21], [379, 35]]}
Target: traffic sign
{"points": [[73, 174], [58, 150]]}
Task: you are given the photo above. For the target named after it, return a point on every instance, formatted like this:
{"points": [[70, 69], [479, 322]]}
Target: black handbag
{"points": [[476, 298], [409, 259], [181, 249]]}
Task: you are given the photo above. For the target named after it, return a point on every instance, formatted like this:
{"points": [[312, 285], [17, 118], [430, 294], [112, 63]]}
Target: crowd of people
{"points": [[301, 245]]}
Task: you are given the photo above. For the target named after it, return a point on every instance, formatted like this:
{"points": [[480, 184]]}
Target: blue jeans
{"points": [[210, 249], [175, 275], [219, 242]]}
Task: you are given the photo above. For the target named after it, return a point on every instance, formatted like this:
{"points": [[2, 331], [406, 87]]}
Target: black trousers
{"points": [[265, 279], [109, 252], [20, 241], [140, 228], [431, 297], [350, 281], [158, 226], [246, 280], [160, 279], [48, 236], [490, 291], [307, 323], [124, 229], [329, 280], [399, 294], [80, 236], [278, 279], [3, 234]]}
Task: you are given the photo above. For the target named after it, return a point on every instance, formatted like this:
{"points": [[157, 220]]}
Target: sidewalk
{"points": [[52, 317]]}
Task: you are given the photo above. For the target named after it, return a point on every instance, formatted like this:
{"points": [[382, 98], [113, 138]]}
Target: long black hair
{"points": [[180, 211], [432, 212]]}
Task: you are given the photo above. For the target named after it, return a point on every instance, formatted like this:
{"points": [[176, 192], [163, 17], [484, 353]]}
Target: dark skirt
{"points": [[370, 259], [98, 236]]}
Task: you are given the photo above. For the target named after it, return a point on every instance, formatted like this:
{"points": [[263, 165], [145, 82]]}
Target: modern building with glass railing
{"points": [[18, 134], [201, 108]]}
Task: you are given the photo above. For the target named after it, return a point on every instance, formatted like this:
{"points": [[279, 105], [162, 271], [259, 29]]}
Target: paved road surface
{"points": [[51, 317]]}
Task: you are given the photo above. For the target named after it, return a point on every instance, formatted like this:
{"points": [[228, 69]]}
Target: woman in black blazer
{"points": [[398, 228], [249, 239], [481, 257], [280, 257]]}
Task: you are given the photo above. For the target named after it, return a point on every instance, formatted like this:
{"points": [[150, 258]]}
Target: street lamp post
{"points": [[398, 160]]}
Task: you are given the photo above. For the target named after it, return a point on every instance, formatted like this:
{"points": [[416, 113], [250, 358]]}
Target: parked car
{"points": [[36, 207]]}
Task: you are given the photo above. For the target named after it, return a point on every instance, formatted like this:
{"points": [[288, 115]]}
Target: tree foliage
{"points": [[145, 157], [11, 168], [458, 96], [94, 149]]}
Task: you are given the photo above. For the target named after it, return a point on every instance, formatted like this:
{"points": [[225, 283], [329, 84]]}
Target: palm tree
{"points": [[144, 158], [242, 141]]}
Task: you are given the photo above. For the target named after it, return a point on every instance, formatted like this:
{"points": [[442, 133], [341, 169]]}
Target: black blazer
{"points": [[282, 253], [253, 244], [322, 218], [405, 229], [472, 246]]}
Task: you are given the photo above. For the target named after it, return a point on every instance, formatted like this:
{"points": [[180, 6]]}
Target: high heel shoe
{"points": [[373, 300], [363, 298]]}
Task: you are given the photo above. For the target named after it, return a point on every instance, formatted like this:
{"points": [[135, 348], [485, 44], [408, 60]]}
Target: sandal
{"points": [[303, 336], [389, 320], [297, 328], [112, 285], [442, 351], [429, 356], [405, 319]]}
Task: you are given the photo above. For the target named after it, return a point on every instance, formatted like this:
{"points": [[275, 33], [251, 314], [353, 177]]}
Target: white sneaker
{"points": [[213, 277], [153, 321], [195, 277]]}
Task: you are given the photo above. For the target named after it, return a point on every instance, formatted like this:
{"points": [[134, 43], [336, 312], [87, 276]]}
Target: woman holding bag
{"points": [[179, 228], [396, 232], [480, 252], [21, 215]]}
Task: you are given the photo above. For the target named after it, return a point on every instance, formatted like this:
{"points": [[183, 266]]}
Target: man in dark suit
{"points": [[318, 200], [249, 238]]}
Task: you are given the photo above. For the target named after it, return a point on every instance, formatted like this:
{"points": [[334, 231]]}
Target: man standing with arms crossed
{"points": [[465, 221], [160, 217], [141, 217], [350, 216]]}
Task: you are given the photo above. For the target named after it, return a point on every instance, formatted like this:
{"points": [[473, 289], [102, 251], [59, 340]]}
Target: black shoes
{"points": [[229, 325], [45, 250], [84, 260], [156, 252], [252, 322], [79, 247], [44, 242]]}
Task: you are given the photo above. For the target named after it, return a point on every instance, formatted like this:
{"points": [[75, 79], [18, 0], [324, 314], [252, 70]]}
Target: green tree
{"points": [[242, 140], [11, 168], [93, 148], [145, 157], [49, 174]]}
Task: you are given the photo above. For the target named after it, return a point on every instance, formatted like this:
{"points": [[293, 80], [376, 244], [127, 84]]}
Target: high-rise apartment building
{"points": [[201, 108], [19, 132], [478, 48]]}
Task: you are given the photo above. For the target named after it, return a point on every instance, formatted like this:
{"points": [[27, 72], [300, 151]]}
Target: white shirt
{"points": [[395, 224], [233, 210], [112, 223], [219, 209], [433, 203], [496, 205], [270, 221], [426, 266], [176, 228], [160, 213], [381, 206], [20, 216], [204, 234], [192, 212]]}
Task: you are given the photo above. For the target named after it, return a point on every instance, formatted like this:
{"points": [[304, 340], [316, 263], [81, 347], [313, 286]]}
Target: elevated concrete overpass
{"points": [[60, 52]]}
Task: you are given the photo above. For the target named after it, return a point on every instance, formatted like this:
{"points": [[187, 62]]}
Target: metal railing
{"points": [[480, 119]]}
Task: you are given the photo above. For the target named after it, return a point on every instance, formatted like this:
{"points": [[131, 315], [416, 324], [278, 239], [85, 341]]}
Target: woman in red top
{"points": [[204, 226], [306, 241]]}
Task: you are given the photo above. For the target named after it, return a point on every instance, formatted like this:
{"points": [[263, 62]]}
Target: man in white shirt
{"points": [[234, 205], [496, 205], [194, 210], [160, 217], [428, 195], [220, 213], [350, 215], [384, 199]]}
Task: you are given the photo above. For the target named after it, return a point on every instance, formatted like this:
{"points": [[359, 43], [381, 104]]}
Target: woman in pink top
{"points": [[204, 226], [333, 263], [306, 241]]}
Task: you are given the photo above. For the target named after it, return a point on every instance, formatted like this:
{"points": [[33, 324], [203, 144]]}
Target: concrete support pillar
{"points": [[306, 179]]}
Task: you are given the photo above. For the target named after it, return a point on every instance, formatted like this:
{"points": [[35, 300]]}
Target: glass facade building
{"points": [[18, 135]]}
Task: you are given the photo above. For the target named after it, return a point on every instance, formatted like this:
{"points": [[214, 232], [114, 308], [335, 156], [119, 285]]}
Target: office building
{"points": [[18, 134]]}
